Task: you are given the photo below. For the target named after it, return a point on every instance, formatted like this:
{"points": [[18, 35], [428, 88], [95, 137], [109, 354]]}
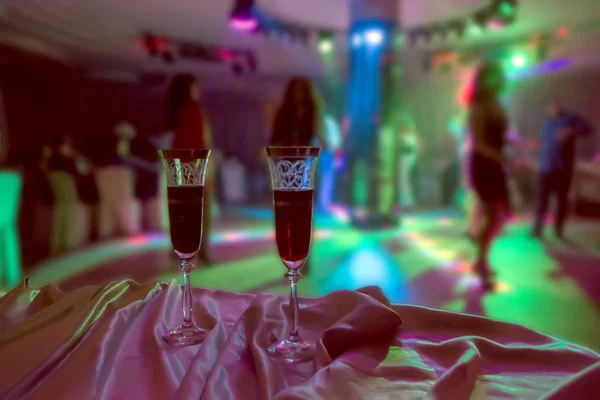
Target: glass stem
{"points": [[187, 267], [293, 276]]}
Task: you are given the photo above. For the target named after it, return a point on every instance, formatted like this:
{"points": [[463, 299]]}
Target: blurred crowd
{"points": [[75, 193]]}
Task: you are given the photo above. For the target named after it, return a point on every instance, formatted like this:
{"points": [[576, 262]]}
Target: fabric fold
{"points": [[105, 343]]}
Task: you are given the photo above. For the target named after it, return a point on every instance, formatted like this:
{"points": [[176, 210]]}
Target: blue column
{"points": [[369, 91]]}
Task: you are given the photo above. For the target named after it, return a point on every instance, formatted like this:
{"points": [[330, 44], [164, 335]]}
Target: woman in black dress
{"points": [[488, 125]]}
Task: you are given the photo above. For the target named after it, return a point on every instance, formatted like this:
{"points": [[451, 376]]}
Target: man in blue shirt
{"points": [[559, 133]]}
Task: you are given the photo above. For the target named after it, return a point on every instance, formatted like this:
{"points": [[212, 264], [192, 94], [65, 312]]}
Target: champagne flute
{"points": [[292, 171], [185, 190]]}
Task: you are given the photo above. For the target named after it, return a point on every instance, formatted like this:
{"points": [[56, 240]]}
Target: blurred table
{"points": [[104, 343]]}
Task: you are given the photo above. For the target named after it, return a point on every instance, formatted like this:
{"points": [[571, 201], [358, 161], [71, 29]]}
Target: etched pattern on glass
{"points": [[186, 173], [297, 174]]}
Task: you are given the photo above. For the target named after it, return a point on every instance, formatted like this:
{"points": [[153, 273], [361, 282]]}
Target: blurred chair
{"points": [[156, 217], [10, 251], [234, 177], [119, 210], [71, 222]]}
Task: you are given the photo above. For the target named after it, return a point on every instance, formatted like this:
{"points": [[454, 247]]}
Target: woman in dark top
{"points": [[185, 118], [299, 117], [488, 125]]}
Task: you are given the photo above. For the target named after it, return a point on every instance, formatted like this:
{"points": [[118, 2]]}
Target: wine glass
{"points": [[185, 191], [293, 181]]}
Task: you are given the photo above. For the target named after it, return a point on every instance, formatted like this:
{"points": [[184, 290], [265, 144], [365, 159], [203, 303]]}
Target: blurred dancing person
{"points": [[467, 198], [409, 153], [559, 133], [488, 125], [327, 163], [186, 118], [471, 202]]}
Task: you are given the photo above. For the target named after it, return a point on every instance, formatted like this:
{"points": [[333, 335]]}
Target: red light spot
{"points": [[563, 31], [464, 268], [465, 94], [226, 55], [137, 240]]}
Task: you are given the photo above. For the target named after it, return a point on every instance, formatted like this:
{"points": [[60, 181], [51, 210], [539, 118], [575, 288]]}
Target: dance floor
{"points": [[550, 286]]}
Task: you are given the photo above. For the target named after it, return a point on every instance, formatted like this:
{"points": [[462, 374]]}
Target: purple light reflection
{"points": [[544, 68]]}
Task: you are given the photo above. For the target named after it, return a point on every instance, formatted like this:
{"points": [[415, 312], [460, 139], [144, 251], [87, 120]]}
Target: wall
{"points": [[43, 99], [433, 102], [575, 87]]}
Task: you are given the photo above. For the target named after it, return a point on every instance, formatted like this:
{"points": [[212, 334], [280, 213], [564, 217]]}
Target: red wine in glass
{"points": [[293, 223], [185, 217]]}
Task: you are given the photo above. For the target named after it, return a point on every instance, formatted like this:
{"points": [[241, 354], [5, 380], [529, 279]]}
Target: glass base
{"points": [[291, 352], [185, 336]]}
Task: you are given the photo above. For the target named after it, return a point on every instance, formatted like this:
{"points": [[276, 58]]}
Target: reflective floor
{"points": [[550, 286]]}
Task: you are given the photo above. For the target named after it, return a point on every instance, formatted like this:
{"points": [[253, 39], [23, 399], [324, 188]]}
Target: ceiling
{"points": [[334, 14], [103, 34]]}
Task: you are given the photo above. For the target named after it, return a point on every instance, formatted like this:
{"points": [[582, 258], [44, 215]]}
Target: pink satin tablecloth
{"points": [[104, 343]]}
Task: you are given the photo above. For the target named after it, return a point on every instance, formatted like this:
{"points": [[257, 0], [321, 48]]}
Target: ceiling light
{"points": [[356, 40], [374, 36], [242, 17], [326, 42], [325, 46]]}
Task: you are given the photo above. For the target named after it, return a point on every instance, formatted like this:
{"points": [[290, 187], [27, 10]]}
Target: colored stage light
{"points": [[563, 31], [325, 43], [399, 41], [474, 29], [243, 24], [242, 17], [506, 9], [325, 46], [518, 61], [356, 40], [502, 287], [374, 36]]}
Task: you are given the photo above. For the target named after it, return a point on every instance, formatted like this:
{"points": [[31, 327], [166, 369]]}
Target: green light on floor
{"points": [[475, 30]]}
